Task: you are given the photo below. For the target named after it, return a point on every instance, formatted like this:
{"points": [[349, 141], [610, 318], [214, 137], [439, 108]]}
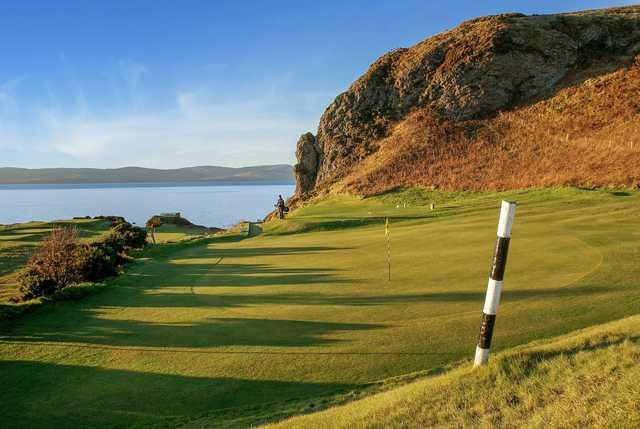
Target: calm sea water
{"points": [[203, 204]]}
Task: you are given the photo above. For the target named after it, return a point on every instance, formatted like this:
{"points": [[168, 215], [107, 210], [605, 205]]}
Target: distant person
{"points": [[281, 207]]}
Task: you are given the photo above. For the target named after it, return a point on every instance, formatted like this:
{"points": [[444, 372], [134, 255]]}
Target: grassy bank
{"points": [[590, 378], [234, 330]]}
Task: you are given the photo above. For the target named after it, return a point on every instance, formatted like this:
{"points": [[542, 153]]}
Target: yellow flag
{"points": [[386, 226]]}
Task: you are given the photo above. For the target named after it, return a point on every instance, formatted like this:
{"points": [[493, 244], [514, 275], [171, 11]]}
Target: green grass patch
{"points": [[232, 330], [586, 379], [168, 233]]}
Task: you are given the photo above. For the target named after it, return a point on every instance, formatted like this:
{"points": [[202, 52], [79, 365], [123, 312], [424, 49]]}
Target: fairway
{"points": [[226, 330]]}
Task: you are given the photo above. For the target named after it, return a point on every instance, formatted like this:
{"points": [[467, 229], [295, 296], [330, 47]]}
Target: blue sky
{"points": [[169, 84]]}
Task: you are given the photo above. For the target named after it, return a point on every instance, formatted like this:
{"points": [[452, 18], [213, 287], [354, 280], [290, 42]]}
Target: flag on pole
{"points": [[386, 234]]}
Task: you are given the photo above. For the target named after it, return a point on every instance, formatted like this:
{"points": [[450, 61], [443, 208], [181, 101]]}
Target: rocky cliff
{"points": [[460, 81]]}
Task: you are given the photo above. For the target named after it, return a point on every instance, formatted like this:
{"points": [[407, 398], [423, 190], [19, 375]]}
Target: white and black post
{"points": [[494, 288]]}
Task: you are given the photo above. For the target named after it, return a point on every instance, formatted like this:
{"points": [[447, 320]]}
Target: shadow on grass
{"points": [[308, 224], [212, 332], [42, 395], [81, 322], [620, 194], [246, 252], [213, 300]]}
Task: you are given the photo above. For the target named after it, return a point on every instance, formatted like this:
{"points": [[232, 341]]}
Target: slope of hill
{"points": [[543, 384], [501, 102], [279, 173]]}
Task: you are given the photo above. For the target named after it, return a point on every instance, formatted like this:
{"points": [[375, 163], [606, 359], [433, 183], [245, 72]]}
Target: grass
{"points": [[168, 233], [17, 243], [233, 331], [585, 134], [590, 378]]}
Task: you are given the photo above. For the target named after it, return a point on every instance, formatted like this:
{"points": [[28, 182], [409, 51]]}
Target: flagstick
{"points": [[386, 234]]}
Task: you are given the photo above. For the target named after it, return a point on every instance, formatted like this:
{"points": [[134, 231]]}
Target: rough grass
{"points": [[584, 135], [233, 331], [586, 379]]}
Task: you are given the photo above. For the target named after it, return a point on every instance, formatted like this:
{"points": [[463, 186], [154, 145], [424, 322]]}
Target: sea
{"points": [[208, 204]]}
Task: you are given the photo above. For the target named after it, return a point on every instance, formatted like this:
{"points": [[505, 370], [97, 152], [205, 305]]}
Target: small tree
{"points": [[153, 223], [53, 267]]}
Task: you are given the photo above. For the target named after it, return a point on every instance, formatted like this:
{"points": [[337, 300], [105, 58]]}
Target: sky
{"points": [[168, 84]]}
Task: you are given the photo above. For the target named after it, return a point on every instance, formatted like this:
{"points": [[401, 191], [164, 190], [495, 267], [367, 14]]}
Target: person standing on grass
{"points": [[281, 207]]}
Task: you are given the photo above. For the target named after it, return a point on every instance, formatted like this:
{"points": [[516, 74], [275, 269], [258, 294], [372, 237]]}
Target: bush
{"points": [[53, 267], [34, 282], [113, 219], [62, 261], [96, 261], [124, 235]]}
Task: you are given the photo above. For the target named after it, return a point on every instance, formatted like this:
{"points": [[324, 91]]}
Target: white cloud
{"points": [[8, 102], [197, 126], [132, 71], [196, 131]]}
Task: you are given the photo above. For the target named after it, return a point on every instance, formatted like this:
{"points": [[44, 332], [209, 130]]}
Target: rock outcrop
{"points": [[309, 156], [482, 67]]}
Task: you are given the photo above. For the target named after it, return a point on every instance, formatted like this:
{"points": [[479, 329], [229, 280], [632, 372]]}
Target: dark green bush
{"points": [[124, 235], [96, 261], [52, 267], [62, 260], [34, 282]]}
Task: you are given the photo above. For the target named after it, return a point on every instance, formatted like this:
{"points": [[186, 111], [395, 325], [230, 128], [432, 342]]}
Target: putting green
{"points": [[201, 329]]}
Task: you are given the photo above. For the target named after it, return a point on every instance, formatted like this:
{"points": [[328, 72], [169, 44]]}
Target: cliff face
{"points": [[309, 155], [470, 73]]}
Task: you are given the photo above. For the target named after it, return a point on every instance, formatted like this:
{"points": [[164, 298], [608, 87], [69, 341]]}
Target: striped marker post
{"points": [[494, 288]]}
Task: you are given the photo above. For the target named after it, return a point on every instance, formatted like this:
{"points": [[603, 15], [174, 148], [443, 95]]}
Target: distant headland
{"points": [[260, 173]]}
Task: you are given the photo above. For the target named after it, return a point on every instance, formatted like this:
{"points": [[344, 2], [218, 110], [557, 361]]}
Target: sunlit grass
{"points": [[586, 379], [235, 330]]}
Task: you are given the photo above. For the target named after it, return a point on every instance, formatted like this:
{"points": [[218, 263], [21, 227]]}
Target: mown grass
{"points": [[173, 233], [233, 331], [586, 379]]}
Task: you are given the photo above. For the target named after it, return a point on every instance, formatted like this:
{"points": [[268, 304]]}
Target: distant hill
{"points": [[261, 173], [500, 102]]}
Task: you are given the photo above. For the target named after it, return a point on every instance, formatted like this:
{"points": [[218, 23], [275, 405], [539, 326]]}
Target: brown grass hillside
{"points": [[586, 134], [500, 102]]}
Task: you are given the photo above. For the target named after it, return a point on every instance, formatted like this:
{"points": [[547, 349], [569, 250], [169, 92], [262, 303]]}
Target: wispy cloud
{"points": [[132, 71], [194, 126], [192, 133], [8, 103]]}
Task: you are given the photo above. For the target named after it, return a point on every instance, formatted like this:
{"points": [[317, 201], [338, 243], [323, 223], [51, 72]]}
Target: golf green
{"points": [[203, 328]]}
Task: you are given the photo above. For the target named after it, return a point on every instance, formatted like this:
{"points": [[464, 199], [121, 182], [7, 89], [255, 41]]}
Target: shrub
{"points": [[62, 261], [96, 261], [53, 267], [124, 235], [153, 223], [34, 282], [113, 219]]}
